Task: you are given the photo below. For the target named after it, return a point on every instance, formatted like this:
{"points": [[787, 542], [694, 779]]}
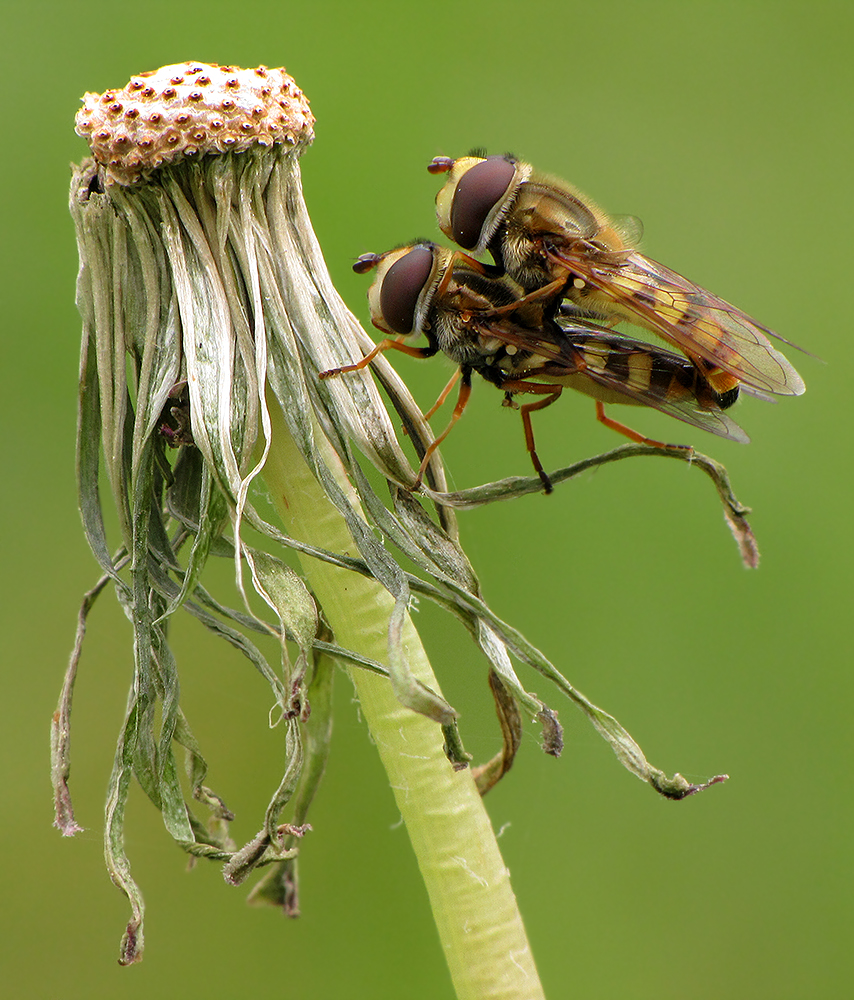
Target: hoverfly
{"points": [[553, 240], [486, 324]]}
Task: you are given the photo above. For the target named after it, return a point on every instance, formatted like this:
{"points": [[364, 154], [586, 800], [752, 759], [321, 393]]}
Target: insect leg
{"points": [[615, 425], [551, 392], [443, 395], [545, 291], [526, 410], [462, 400], [383, 345]]}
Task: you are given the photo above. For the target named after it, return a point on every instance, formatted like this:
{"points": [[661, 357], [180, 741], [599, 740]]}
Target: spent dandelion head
{"points": [[208, 314]]}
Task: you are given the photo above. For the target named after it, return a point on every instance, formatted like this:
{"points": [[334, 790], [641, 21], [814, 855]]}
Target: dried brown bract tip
{"points": [[190, 109]]}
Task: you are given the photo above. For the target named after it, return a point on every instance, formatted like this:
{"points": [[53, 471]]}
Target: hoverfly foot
{"points": [[685, 449]]}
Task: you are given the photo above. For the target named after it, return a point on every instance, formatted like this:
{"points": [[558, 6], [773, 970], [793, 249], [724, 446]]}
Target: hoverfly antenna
{"points": [[441, 164], [367, 262]]}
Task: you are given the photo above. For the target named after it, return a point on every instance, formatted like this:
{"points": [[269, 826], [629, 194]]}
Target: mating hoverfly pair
{"points": [[539, 319]]}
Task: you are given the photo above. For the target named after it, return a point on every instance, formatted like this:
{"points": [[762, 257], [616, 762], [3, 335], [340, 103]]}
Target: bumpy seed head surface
{"points": [[191, 109]]}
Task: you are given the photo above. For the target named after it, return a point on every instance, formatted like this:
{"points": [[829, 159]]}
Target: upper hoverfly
{"points": [[551, 239], [486, 324]]}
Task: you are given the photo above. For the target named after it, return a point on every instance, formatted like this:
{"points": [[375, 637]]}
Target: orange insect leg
{"points": [[383, 345], [462, 400], [443, 395], [615, 425], [526, 410]]}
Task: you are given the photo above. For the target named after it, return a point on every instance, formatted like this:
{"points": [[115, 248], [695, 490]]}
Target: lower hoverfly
{"points": [[551, 239], [487, 325]]}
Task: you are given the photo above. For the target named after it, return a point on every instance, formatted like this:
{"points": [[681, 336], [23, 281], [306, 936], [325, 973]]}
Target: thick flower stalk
{"points": [[207, 314]]}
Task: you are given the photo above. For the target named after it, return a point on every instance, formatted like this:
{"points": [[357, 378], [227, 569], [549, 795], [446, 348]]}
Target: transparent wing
{"points": [[613, 368], [650, 376], [688, 316]]}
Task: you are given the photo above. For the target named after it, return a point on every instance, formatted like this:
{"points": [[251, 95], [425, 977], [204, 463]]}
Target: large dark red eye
{"points": [[479, 190], [403, 283]]}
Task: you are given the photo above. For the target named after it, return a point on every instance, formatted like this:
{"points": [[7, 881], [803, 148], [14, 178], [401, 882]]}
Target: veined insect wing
{"points": [[696, 321], [629, 227], [652, 377]]}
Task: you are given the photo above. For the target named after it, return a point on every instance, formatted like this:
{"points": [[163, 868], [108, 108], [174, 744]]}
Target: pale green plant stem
{"points": [[474, 906]]}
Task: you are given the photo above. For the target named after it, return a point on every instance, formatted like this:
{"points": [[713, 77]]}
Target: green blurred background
{"points": [[727, 128]]}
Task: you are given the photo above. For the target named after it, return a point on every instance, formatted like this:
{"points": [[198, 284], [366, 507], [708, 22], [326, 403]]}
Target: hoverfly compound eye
{"points": [[478, 192], [401, 287]]}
